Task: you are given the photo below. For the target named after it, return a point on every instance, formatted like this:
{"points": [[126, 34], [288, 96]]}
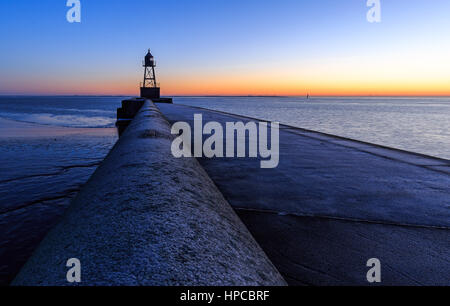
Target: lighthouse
{"points": [[149, 88]]}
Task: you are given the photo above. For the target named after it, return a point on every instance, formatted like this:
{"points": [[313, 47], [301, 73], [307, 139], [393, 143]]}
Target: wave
{"points": [[62, 120], [76, 110]]}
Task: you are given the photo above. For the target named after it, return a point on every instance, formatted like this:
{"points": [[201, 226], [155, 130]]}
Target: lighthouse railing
{"points": [[141, 85], [144, 65]]}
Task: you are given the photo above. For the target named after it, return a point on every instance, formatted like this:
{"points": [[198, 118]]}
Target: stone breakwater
{"points": [[147, 218]]}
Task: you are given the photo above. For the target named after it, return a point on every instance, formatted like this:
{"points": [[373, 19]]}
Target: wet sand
{"points": [[43, 168]]}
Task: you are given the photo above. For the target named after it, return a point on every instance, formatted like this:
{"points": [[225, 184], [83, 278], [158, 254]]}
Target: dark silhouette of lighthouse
{"points": [[150, 89]]}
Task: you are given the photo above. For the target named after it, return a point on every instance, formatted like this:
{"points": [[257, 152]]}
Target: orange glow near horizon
{"points": [[292, 88], [243, 86], [329, 77], [208, 89], [419, 72], [353, 76]]}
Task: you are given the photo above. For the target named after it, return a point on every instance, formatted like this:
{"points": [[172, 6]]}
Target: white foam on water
{"points": [[61, 120]]}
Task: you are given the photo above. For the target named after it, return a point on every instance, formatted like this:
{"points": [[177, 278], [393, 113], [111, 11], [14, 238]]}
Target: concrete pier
{"points": [[130, 108], [333, 203], [147, 218]]}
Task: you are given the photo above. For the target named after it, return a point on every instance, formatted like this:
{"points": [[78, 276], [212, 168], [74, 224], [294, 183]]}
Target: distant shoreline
{"points": [[231, 96]]}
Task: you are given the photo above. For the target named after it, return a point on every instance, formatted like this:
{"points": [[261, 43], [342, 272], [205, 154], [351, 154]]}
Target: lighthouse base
{"points": [[150, 92]]}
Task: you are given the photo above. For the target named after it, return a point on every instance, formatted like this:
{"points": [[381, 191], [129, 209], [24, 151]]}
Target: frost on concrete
{"points": [[147, 218]]}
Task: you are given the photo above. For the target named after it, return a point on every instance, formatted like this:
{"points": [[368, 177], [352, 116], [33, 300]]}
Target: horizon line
{"points": [[218, 96]]}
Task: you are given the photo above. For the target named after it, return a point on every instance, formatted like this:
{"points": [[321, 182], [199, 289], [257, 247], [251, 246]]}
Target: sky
{"points": [[226, 47]]}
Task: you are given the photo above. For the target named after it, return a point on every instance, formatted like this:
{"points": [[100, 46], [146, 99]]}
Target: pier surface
{"points": [[334, 203]]}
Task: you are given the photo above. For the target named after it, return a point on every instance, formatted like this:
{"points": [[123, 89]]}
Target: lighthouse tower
{"points": [[149, 88]]}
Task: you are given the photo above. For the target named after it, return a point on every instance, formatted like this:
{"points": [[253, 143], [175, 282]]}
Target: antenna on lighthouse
{"points": [[150, 89]]}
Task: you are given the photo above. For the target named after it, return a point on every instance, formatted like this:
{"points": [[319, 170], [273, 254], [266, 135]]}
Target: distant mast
{"points": [[150, 88]]}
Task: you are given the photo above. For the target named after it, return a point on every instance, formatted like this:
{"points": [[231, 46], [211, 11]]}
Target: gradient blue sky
{"points": [[226, 47]]}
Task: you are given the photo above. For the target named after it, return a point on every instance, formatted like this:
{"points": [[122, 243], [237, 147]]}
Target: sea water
{"points": [[415, 124]]}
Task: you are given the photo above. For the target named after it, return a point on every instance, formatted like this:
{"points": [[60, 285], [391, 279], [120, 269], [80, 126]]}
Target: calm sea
{"points": [[67, 137], [419, 125]]}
